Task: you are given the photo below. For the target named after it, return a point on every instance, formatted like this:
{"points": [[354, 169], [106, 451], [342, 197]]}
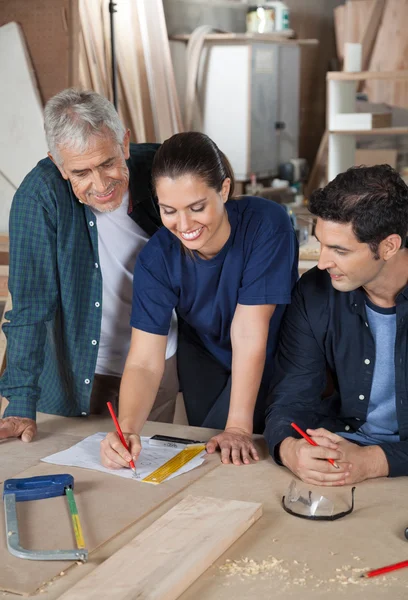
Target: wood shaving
{"points": [[298, 574], [248, 566]]}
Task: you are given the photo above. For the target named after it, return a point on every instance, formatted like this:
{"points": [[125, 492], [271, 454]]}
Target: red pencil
{"points": [[383, 570], [312, 442], [120, 434]]}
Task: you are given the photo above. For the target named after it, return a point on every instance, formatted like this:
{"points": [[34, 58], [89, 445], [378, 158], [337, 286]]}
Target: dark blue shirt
{"points": [[257, 265], [326, 341]]}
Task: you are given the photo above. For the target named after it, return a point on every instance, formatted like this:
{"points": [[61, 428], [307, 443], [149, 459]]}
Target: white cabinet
{"points": [[248, 91]]}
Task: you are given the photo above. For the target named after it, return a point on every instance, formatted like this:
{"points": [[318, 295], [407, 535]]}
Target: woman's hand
{"points": [[236, 446], [114, 455]]}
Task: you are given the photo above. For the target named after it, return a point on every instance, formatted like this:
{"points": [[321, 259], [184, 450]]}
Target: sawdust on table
{"points": [[296, 573]]}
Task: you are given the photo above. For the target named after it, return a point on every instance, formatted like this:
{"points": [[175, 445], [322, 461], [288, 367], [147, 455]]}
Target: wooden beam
{"points": [[339, 29], [318, 171], [4, 250], [370, 33], [167, 557], [159, 69], [344, 76], [4, 273], [390, 53], [357, 15], [375, 131]]}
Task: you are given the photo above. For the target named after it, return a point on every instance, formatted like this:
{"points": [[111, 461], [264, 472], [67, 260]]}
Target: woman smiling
{"points": [[228, 267]]}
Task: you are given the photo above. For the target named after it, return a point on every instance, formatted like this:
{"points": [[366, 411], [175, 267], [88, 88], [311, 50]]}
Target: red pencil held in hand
{"points": [[312, 442], [120, 434]]}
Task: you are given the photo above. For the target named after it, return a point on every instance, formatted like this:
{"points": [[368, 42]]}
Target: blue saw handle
{"points": [[37, 488]]}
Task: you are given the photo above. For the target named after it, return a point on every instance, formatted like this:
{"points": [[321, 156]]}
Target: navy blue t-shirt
{"points": [[257, 265]]}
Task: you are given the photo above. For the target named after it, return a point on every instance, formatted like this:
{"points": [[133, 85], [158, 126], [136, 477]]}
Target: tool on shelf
{"points": [[38, 488]]}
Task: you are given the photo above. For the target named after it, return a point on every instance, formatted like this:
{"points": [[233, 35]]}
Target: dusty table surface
{"points": [[281, 556]]}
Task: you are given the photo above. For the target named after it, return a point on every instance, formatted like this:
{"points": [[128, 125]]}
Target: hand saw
{"points": [[38, 488]]}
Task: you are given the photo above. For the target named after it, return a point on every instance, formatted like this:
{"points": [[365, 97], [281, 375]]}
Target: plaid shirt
{"points": [[56, 287]]}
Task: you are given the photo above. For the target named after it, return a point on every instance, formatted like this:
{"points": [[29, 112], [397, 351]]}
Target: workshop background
{"points": [[293, 92]]}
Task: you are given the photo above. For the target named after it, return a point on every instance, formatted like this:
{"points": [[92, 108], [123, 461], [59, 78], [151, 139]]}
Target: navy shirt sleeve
{"points": [[268, 275], [153, 296]]}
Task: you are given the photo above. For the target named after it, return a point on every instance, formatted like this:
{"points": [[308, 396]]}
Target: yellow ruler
{"points": [[174, 464]]}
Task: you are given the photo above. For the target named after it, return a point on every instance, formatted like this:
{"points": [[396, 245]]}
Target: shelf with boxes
{"points": [[345, 123]]}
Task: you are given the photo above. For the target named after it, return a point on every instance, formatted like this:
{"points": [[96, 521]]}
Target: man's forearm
{"points": [[376, 462]]}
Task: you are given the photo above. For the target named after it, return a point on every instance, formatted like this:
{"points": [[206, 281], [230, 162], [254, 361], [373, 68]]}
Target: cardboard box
{"points": [[371, 157], [360, 121]]}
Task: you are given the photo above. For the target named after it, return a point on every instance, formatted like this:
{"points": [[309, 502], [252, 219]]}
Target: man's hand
{"points": [[18, 427], [365, 462], [236, 446], [310, 463], [114, 455]]}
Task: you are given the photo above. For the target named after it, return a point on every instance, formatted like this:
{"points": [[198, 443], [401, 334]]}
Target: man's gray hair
{"points": [[72, 117]]}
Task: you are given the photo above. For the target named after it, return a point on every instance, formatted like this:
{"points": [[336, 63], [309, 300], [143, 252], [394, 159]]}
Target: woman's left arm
{"points": [[249, 336]]}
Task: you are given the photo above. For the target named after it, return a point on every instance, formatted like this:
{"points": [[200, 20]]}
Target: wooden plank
{"points": [[85, 78], [249, 37], [377, 131], [128, 69], [167, 557], [107, 505], [339, 28], [50, 29], [376, 156], [4, 273], [159, 69], [357, 14], [383, 75], [21, 117], [147, 108], [390, 53], [4, 250], [317, 173], [7, 191], [91, 25], [370, 33]]}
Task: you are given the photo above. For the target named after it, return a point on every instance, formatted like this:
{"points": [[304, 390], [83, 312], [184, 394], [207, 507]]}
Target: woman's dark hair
{"points": [[373, 199], [193, 153]]}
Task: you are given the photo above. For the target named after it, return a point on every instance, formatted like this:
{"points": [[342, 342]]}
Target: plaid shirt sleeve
{"points": [[34, 290]]}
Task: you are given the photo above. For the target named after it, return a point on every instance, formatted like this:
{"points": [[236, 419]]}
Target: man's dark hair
{"points": [[373, 199]]}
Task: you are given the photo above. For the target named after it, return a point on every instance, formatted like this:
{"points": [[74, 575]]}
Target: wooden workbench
{"points": [[317, 558]]}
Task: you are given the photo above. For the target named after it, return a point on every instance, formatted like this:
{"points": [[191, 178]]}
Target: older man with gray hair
{"points": [[77, 224]]}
